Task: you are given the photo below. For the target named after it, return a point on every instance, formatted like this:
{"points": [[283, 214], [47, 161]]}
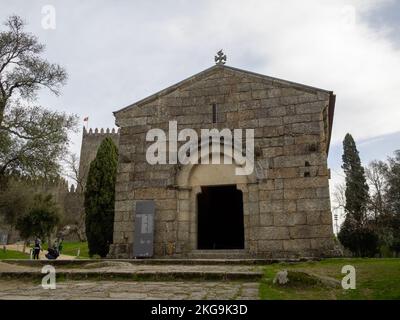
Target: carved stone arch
{"points": [[185, 173]]}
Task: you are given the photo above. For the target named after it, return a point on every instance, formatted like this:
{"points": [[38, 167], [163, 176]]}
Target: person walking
{"points": [[60, 245], [36, 249]]}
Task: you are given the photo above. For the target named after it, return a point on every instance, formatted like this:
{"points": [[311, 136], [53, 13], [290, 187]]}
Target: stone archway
{"points": [[190, 180]]}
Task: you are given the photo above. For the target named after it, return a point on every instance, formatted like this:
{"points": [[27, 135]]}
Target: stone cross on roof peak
{"points": [[220, 58]]}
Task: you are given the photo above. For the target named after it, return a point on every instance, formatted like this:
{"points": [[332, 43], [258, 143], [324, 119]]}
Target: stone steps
{"points": [[218, 254], [196, 258], [139, 276], [122, 270]]}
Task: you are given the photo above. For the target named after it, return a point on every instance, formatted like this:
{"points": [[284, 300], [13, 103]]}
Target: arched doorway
{"points": [[191, 180], [220, 218]]}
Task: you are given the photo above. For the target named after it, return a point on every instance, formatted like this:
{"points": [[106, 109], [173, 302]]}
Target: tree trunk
{"points": [[78, 233], [2, 109]]}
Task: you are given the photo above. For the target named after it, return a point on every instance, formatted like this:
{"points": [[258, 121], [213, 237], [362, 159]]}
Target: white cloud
{"points": [[119, 52], [322, 43]]}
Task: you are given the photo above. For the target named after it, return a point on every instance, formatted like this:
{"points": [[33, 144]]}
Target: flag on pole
{"points": [[86, 120]]}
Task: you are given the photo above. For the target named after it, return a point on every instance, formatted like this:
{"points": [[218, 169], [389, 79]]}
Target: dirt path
{"points": [[20, 247]]}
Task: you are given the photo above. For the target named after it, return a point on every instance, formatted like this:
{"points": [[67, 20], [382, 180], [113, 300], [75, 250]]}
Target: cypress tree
{"points": [[356, 233], [99, 198], [356, 184]]}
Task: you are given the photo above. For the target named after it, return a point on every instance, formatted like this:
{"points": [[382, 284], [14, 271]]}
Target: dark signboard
{"points": [[3, 237], [144, 228]]}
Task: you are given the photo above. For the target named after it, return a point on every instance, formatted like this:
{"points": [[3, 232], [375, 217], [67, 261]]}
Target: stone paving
{"points": [[71, 290], [13, 286]]}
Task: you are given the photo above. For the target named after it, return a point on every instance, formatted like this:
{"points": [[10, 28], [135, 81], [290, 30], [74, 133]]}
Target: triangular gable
{"points": [[207, 72]]}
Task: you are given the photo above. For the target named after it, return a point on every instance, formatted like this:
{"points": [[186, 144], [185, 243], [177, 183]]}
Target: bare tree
{"points": [[32, 139], [72, 171], [375, 174], [339, 202], [339, 196], [22, 69], [72, 166]]}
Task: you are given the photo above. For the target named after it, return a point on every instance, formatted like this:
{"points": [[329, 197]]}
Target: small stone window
{"points": [[214, 113], [312, 147], [306, 164], [307, 174]]}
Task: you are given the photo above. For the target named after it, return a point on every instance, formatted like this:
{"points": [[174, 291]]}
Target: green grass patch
{"points": [[71, 249], [375, 279], [10, 254]]}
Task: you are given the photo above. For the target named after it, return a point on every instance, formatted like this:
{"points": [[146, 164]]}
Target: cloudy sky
{"points": [[117, 52]]}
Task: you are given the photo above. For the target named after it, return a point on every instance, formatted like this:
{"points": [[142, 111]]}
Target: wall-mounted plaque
{"points": [[144, 229]]}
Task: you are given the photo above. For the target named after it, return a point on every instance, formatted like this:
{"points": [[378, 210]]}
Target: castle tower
{"points": [[91, 141]]}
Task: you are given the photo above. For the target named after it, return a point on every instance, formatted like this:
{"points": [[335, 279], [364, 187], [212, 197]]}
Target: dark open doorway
{"points": [[220, 218]]}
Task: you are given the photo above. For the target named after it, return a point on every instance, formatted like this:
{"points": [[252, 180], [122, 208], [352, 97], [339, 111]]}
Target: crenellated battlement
{"points": [[100, 132], [91, 140], [59, 183], [72, 189]]}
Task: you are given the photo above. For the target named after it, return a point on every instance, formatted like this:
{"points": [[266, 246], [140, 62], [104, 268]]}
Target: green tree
{"points": [[99, 198], [32, 139], [356, 184], [361, 240], [356, 234], [393, 199], [393, 181], [41, 220], [15, 201]]}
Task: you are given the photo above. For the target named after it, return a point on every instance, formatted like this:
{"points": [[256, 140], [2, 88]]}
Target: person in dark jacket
{"points": [[36, 248], [52, 253]]}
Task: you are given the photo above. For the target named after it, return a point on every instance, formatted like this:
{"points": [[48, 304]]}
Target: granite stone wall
{"points": [[286, 199]]}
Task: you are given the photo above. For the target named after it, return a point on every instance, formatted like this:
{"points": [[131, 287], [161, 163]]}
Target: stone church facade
{"points": [[281, 210]]}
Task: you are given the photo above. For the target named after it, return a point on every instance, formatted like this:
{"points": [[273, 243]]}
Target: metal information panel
{"points": [[144, 228], [3, 237]]}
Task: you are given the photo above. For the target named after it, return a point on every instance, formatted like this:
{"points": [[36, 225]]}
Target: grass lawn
{"points": [[71, 249], [375, 279], [10, 254]]}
